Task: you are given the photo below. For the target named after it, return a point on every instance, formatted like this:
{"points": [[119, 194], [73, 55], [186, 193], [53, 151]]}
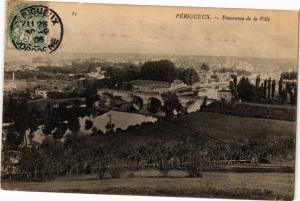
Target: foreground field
{"points": [[212, 185]]}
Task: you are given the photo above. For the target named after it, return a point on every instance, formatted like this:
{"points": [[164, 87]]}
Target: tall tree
{"points": [[163, 70], [280, 90], [269, 88], [33, 125], [246, 90], [91, 96], [188, 76], [60, 130], [273, 88], [171, 104], [73, 122], [294, 96], [116, 75], [280, 82], [265, 88], [233, 87], [257, 82], [204, 67]]}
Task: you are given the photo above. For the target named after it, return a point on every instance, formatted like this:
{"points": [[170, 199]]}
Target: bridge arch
{"points": [[137, 103], [154, 105]]}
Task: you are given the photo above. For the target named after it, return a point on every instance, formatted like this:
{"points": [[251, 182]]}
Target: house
{"points": [[204, 75], [224, 94], [98, 74], [224, 76], [177, 84], [289, 83]]}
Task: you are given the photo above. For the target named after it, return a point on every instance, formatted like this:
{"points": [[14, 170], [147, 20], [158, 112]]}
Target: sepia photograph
{"points": [[149, 100]]}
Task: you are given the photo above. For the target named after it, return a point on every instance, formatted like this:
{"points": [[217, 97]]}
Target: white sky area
{"points": [[155, 30]]}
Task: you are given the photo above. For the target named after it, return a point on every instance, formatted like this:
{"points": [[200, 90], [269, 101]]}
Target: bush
{"points": [[100, 171], [163, 167], [115, 172], [194, 170]]}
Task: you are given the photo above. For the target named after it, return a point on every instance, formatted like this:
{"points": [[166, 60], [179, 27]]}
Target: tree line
{"points": [[80, 154], [162, 70]]}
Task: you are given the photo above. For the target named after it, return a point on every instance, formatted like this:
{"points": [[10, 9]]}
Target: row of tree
{"points": [[262, 90], [289, 75], [79, 154]]}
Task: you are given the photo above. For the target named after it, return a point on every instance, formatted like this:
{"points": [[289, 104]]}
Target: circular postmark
{"points": [[36, 28]]}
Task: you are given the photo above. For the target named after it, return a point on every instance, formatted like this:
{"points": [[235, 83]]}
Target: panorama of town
{"points": [[152, 117]]}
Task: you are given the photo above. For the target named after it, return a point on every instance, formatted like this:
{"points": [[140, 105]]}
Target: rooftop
{"points": [[224, 90]]}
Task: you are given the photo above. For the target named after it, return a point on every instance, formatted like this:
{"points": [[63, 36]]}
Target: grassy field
{"points": [[228, 126], [221, 126], [211, 185], [280, 112]]}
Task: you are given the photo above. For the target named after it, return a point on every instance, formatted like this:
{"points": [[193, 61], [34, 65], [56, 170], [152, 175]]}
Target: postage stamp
{"points": [[36, 28]]}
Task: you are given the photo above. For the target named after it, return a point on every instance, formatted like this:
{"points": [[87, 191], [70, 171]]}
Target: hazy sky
{"points": [[148, 29]]}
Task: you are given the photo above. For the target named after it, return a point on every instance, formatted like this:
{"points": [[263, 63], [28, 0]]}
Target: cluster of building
{"points": [[40, 88], [213, 84], [216, 91]]}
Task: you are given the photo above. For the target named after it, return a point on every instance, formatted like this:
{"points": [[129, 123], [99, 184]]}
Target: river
{"points": [[120, 120]]}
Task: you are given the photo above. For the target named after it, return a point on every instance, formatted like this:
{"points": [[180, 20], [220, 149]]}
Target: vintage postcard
{"points": [[149, 100]]}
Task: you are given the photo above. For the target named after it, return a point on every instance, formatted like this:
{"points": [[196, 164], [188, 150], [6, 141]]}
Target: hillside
{"points": [[202, 126]]}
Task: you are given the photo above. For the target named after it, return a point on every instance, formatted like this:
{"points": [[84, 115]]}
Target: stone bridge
{"points": [[142, 100], [139, 99]]}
